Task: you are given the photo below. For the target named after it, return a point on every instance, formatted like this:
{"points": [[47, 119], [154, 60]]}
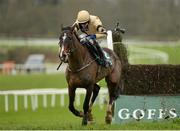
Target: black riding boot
{"points": [[101, 54], [92, 49]]}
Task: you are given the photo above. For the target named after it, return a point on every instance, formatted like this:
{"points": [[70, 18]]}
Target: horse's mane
{"points": [[66, 28], [69, 28]]}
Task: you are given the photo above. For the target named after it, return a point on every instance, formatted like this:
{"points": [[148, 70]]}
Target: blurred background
{"points": [[152, 19], [33, 26], [29, 31]]}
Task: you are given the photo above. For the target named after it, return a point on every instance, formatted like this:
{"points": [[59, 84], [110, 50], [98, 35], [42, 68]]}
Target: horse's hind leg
{"points": [[113, 88], [95, 94], [109, 111]]}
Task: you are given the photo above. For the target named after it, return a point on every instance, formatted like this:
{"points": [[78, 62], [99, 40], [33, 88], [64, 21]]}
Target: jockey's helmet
{"points": [[83, 16]]}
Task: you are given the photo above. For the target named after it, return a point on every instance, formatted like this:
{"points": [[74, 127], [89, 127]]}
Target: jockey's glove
{"points": [[101, 29], [91, 37]]}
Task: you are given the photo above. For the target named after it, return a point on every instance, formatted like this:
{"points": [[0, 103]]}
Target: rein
{"points": [[85, 66], [59, 65], [69, 53], [82, 68]]}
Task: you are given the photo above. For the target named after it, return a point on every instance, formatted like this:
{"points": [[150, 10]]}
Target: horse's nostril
{"points": [[63, 55]]}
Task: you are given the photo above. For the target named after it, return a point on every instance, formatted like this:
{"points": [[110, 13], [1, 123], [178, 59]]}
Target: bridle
{"points": [[70, 51], [66, 39]]}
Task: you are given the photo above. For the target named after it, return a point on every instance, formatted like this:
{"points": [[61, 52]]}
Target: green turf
{"points": [[13, 82], [33, 81], [173, 52], [172, 49], [61, 118]]}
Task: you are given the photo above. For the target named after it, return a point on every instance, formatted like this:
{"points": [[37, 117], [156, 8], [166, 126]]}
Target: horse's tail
{"points": [[119, 89]]}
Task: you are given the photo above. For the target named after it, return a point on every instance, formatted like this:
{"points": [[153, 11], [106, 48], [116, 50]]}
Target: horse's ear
{"points": [[73, 27]]}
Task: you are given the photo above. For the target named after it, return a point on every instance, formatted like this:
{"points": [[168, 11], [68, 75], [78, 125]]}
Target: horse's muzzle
{"points": [[64, 58]]}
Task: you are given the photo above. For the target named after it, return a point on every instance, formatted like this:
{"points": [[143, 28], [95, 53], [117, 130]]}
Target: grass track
{"points": [[61, 118], [32, 81], [173, 50], [58, 117]]}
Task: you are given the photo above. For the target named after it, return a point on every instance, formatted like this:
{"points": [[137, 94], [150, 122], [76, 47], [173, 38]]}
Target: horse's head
{"points": [[65, 43]]}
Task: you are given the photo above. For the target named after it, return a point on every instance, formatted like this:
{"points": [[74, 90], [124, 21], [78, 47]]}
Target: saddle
{"points": [[101, 57]]}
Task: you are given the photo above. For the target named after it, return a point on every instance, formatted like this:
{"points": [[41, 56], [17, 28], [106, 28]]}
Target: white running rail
{"points": [[34, 93]]}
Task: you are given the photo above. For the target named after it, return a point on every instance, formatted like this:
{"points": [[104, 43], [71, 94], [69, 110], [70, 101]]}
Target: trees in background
{"points": [[156, 19]]}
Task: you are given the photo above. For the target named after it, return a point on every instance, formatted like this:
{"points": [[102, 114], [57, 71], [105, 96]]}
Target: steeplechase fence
{"points": [[149, 92]]}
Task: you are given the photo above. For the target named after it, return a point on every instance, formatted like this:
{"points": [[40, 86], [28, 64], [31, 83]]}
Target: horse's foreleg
{"points": [[86, 104], [95, 94], [71, 102]]}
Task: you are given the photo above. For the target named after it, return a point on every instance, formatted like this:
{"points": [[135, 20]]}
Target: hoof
{"points": [[108, 119], [90, 117], [84, 120]]}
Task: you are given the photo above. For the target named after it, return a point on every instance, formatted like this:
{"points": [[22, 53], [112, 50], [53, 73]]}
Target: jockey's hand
{"points": [[91, 37], [101, 30]]}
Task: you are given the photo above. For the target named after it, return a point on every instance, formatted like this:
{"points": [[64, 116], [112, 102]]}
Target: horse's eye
{"points": [[70, 38], [60, 43]]}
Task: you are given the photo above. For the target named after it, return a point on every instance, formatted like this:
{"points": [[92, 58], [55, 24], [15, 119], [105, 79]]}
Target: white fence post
{"points": [[25, 101], [16, 102], [33, 103], [53, 100], [78, 99], [44, 100], [62, 100], [36, 101], [6, 103]]}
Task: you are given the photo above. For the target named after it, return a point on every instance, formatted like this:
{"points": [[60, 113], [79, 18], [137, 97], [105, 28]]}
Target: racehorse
{"points": [[83, 72]]}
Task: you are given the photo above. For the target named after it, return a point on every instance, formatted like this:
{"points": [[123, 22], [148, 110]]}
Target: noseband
{"points": [[69, 39]]}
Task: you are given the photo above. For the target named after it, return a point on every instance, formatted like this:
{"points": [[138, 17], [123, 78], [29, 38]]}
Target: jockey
{"points": [[92, 26]]}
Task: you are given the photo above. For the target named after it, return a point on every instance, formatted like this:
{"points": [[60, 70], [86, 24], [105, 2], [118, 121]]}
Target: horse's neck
{"points": [[76, 60]]}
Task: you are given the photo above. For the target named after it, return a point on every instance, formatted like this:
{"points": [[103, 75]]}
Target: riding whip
{"points": [[59, 65]]}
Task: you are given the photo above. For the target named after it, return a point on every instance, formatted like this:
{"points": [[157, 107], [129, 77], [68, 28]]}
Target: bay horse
{"points": [[83, 72]]}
